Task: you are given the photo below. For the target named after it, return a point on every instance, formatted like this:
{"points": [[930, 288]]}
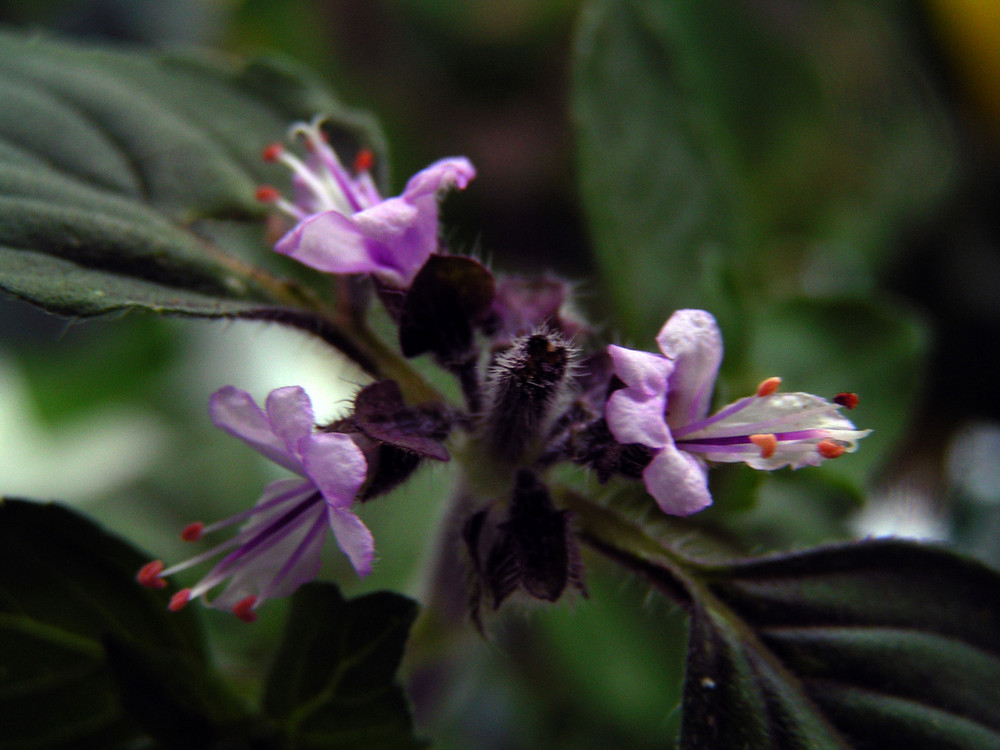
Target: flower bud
{"points": [[527, 383]]}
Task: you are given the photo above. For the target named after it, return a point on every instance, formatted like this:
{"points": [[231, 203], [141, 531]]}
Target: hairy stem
{"points": [[629, 545]]}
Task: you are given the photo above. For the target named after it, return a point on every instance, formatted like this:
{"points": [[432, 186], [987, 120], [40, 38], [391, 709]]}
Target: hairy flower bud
{"points": [[525, 387]]}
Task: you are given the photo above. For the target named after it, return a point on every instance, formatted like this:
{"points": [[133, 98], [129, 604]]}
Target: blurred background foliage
{"points": [[822, 176]]}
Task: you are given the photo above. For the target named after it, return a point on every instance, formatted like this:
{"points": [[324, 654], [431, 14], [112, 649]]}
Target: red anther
{"points": [[847, 400], [830, 448], [267, 194], [273, 151], [244, 609], [179, 600], [768, 387], [363, 160], [192, 532], [149, 575], [767, 443]]}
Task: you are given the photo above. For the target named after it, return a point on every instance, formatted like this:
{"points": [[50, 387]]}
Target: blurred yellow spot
{"points": [[969, 31]]}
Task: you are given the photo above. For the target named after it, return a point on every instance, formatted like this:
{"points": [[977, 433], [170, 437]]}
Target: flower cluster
{"points": [[532, 399]]}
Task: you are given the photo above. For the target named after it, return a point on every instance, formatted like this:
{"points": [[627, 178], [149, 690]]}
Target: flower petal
{"points": [[280, 568], [329, 242], [235, 411], [444, 174], [647, 373], [782, 412], [335, 465], [678, 481], [799, 422], [692, 340], [353, 537], [402, 235], [290, 414], [635, 417]]}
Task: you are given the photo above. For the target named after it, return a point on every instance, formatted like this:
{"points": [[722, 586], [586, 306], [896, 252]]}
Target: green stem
{"points": [[628, 544]]}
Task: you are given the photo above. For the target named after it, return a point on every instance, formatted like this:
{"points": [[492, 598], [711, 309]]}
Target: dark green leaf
{"points": [[55, 690], [333, 682], [176, 700], [65, 584], [658, 207], [873, 645], [120, 172], [727, 141]]}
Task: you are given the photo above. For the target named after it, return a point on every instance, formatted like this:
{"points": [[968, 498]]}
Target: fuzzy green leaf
{"points": [[127, 178], [872, 645]]}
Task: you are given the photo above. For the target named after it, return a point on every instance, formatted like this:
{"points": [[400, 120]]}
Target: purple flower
{"points": [[278, 547], [664, 406], [345, 226]]}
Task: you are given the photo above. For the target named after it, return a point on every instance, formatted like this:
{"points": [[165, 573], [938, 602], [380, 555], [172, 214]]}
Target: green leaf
{"points": [[659, 211], [333, 681], [55, 691], [872, 645], [126, 176], [723, 145], [867, 645], [176, 700], [65, 584]]}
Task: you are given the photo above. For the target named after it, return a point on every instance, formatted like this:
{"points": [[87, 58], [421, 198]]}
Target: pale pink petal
{"points": [[353, 537], [280, 567], [646, 372], [692, 341], [235, 412], [290, 413], [329, 242], [678, 481], [634, 417], [335, 465], [444, 174], [402, 236]]}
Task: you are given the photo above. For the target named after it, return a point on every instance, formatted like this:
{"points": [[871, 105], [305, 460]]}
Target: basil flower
{"points": [[345, 225], [278, 546], [664, 406]]}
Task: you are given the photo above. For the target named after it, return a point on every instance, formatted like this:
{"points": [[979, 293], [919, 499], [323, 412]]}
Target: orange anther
{"points": [[767, 443], [192, 532], [272, 152], [179, 600], [267, 194], [149, 575], [363, 160], [244, 609], [830, 448], [768, 387], [847, 400]]}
